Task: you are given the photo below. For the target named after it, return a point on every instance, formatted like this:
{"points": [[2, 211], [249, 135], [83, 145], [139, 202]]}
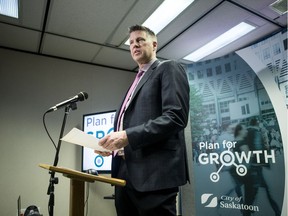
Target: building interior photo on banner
{"points": [[65, 67]]}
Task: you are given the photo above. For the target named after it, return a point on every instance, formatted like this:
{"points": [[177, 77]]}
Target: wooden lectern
{"points": [[77, 186]]}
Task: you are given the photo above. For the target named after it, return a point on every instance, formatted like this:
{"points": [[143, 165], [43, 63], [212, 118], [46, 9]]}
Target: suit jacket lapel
{"points": [[145, 77]]}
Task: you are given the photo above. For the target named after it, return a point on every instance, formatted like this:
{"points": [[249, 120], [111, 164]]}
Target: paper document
{"points": [[78, 137]]}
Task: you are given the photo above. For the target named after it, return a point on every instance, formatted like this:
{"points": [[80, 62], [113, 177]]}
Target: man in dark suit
{"points": [[150, 131]]}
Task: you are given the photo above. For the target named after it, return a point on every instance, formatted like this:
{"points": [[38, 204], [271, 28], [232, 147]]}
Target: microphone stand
{"points": [[54, 180]]}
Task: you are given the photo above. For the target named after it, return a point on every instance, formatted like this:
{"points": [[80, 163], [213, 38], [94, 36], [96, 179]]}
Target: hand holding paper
{"points": [[114, 141], [78, 137]]}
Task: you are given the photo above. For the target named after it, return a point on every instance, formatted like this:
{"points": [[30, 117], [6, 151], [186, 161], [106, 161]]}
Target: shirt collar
{"points": [[148, 65]]}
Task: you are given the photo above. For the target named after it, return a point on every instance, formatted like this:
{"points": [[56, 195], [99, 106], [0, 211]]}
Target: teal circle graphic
{"points": [[98, 161]]}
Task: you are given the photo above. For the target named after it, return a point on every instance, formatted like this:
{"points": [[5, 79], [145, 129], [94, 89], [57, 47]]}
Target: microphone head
{"points": [[82, 96]]}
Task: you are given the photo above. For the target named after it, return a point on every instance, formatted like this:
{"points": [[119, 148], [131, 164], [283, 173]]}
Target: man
{"points": [[151, 131]]}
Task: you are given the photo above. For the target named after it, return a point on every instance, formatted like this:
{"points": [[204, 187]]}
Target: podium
{"points": [[77, 186]]}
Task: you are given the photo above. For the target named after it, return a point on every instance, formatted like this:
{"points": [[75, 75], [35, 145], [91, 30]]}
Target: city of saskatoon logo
{"points": [[209, 200]]}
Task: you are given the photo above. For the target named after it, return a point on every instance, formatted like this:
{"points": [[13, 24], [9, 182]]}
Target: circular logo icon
{"points": [[241, 170], [227, 158], [98, 161], [214, 176]]}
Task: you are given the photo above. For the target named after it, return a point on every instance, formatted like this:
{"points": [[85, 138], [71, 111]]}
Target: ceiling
{"points": [[94, 31]]}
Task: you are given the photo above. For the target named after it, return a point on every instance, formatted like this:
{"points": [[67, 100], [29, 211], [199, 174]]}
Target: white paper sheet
{"points": [[78, 137]]}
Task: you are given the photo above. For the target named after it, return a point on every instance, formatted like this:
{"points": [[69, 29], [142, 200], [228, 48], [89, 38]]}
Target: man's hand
{"points": [[104, 154], [112, 142]]}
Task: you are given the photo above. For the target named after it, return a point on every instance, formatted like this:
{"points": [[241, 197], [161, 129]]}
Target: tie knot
{"points": [[140, 73]]}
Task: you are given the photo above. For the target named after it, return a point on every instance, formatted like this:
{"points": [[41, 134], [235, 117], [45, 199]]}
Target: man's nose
{"points": [[136, 44]]}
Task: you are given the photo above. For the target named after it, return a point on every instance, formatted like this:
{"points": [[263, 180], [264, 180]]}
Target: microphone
{"points": [[79, 97]]}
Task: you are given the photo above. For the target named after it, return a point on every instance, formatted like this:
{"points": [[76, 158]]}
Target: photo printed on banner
{"points": [[238, 157]]}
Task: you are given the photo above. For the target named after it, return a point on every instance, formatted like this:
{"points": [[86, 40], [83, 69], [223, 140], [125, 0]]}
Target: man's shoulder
{"points": [[170, 61], [169, 64]]}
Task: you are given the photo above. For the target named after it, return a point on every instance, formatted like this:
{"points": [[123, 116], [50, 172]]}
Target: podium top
{"points": [[73, 174]]}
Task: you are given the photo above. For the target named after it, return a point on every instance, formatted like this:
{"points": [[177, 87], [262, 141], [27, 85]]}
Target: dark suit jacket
{"points": [[154, 122]]}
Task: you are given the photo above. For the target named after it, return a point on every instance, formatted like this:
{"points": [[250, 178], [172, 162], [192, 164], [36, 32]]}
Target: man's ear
{"points": [[155, 45]]}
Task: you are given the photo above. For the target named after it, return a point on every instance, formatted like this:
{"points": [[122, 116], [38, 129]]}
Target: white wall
{"points": [[29, 85]]}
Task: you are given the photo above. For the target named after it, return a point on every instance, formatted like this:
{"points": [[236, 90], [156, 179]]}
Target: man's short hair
{"points": [[141, 28]]}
